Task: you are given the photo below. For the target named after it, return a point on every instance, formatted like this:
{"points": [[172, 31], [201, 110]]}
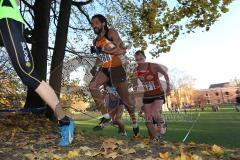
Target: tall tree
{"points": [[39, 47], [59, 49], [60, 44], [182, 88]]}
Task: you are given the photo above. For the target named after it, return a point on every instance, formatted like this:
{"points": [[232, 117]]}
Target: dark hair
{"points": [[102, 19], [140, 52]]}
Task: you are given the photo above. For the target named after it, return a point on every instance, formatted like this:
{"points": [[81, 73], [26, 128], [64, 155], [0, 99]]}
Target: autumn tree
{"points": [[155, 23], [182, 88], [160, 22]]}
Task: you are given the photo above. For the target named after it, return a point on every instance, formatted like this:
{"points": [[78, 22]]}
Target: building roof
{"points": [[220, 85]]}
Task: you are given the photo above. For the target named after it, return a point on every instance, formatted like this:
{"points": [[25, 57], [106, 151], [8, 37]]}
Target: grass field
{"points": [[222, 128]]}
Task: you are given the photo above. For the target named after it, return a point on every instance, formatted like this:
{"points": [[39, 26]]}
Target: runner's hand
{"points": [[93, 71]]}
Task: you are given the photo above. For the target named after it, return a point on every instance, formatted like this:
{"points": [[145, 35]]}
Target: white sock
{"points": [[135, 125], [106, 115]]}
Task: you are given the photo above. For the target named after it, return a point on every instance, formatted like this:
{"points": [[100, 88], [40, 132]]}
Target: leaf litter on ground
{"points": [[26, 136]]}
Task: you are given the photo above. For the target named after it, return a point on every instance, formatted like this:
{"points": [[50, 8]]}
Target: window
{"points": [[207, 95], [217, 94], [208, 101], [227, 93]]}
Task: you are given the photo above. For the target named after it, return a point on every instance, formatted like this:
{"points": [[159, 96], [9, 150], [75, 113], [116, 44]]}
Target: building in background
{"points": [[221, 93]]}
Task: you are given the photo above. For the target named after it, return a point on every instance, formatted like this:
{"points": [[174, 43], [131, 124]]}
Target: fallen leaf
{"points": [[217, 150], [109, 143], [85, 148], [140, 145], [164, 156], [145, 141], [55, 157], [72, 154], [14, 131], [30, 156], [183, 156], [192, 143], [92, 153], [9, 143], [205, 153], [112, 155], [150, 151], [128, 151], [174, 147], [119, 142], [21, 144], [196, 157]]}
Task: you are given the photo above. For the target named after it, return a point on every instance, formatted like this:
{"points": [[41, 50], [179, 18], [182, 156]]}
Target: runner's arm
{"points": [[119, 48], [159, 69]]}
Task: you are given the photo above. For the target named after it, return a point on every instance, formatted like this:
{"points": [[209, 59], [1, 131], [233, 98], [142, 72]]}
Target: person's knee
{"points": [[131, 110], [125, 97], [116, 121], [30, 81]]}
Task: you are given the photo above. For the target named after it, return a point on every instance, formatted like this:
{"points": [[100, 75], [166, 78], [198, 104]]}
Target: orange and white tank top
{"points": [[108, 60]]}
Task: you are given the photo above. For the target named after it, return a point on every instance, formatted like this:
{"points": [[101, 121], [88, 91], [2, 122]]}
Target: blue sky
{"points": [[209, 57]]}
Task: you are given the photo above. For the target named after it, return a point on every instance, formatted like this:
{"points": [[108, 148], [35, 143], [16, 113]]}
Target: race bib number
{"points": [[112, 90], [105, 57], [149, 86]]}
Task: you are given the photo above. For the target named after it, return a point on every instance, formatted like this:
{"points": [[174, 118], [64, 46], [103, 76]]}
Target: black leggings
{"points": [[11, 32]]}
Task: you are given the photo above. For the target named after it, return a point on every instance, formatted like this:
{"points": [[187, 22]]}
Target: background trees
{"points": [[60, 30]]}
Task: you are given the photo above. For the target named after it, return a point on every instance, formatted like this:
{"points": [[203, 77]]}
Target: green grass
{"points": [[222, 128]]}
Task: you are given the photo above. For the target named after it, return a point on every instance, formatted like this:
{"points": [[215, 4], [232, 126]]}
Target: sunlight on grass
{"points": [[212, 127]]}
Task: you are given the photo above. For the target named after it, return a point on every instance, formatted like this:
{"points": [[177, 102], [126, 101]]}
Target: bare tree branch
{"points": [[77, 53], [79, 6], [84, 13], [28, 4], [55, 17], [80, 29], [81, 3]]}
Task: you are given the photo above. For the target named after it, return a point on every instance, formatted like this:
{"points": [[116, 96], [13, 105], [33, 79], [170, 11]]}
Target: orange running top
{"points": [[108, 60]]}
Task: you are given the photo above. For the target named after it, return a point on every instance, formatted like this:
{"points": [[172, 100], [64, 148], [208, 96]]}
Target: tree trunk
{"points": [[60, 44], [39, 48]]}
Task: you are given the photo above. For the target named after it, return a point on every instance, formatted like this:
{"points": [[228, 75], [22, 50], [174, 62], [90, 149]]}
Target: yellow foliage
{"points": [[217, 150], [72, 154], [164, 156], [128, 151], [112, 155]]}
